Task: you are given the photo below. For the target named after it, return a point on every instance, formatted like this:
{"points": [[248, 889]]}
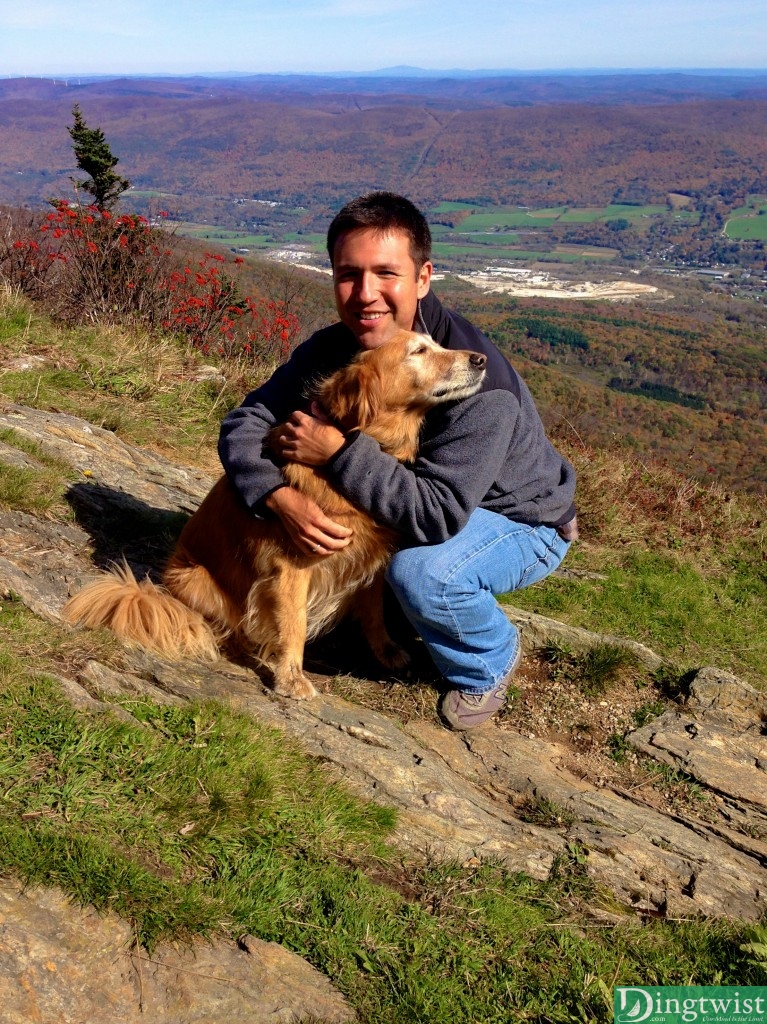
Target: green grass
{"points": [[549, 212], [223, 236], [749, 222], [592, 671], [196, 820], [753, 228], [490, 238], [144, 388], [753, 205], [316, 241], [503, 218], [451, 207], [446, 250], [37, 489], [690, 616], [500, 219]]}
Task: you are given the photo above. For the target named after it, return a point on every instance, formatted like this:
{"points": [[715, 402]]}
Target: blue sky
{"points": [[57, 37]]}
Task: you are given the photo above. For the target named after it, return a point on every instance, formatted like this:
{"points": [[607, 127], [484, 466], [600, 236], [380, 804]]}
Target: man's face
{"points": [[377, 286]]}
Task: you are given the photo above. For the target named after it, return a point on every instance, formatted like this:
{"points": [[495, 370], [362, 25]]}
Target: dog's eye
{"points": [[419, 351]]}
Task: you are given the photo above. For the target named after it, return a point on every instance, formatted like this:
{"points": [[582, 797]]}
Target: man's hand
{"points": [[309, 439], [307, 525]]}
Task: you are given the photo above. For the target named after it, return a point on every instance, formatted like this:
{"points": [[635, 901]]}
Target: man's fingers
{"points": [[327, 547], [333, 530]]}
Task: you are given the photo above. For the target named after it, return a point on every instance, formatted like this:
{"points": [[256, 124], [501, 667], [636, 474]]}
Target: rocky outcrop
{"points": [[70, 966], [719, 738], [457, 796]]}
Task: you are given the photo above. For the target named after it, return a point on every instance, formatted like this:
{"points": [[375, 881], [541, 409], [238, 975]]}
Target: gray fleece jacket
{"points": [[488, 451]]}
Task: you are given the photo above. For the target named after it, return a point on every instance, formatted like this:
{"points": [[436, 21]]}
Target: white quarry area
{"points": [[540, 284], [510, 280], [297, 258]]}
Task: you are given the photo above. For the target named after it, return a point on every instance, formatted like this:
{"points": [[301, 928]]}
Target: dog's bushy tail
{"points": [[142, 614]]}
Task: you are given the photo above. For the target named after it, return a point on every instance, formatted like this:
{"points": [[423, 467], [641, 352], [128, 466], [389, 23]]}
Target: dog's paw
{"points": [[295, 684], [393, 657]]}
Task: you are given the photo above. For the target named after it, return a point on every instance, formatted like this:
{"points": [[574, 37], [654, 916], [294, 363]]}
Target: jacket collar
{"points": [[432, 318]]}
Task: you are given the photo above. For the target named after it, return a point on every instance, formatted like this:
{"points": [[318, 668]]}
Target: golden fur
{"points": [[233, 575]]}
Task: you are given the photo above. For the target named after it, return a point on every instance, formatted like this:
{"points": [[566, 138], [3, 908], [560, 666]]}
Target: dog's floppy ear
{"points": [[354, 395]]}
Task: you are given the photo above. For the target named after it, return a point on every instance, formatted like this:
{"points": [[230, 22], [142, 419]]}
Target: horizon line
{"points": [[396, 71]]}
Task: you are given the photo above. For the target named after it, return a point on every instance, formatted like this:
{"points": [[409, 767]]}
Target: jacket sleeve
{"points": [[242, 440], [460, 457]]}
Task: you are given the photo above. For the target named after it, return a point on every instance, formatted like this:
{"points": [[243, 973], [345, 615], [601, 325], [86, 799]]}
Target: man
{"points": [[487, 507]]}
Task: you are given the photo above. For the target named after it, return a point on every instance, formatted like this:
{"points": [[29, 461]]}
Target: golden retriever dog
{"points": [[232, 575]]}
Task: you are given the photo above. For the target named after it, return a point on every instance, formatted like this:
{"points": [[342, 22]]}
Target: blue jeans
{"points": [[446, 591]]}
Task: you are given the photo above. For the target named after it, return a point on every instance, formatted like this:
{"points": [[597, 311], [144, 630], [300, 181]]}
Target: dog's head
{"points": [[409, 373]]}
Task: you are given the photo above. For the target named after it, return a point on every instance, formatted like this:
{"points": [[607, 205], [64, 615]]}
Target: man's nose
{"points": [[368, 287]]}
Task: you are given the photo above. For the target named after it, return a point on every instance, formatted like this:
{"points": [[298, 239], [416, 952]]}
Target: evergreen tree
{"points": [[95, 158]]}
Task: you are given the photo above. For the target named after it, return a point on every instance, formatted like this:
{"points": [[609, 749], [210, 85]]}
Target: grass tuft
{"points": [[594, 670]]}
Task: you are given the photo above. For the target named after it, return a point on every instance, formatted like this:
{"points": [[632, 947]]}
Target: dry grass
{"points": [[624, 500]]}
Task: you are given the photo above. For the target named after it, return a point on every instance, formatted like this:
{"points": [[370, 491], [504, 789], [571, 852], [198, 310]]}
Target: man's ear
{"points": [[423, 280], [354, 395]]}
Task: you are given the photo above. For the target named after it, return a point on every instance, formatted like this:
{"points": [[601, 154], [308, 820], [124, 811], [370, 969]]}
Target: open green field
{"points": [[490, 238], [687, 216], [586, 252], [149, 193], [616, 211], [748, 223], [511, 247], [753, 206], [448, 207], [498, 219], [224, 236], [314, 241], [558, 254], [445, 250]]}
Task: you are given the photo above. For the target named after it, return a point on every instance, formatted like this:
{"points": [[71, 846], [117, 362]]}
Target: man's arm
{"points": [[242, 448], [461, 453], [462, 450], [252, 467]]}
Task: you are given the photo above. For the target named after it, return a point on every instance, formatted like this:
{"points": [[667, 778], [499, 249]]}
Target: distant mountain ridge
{"points": [[312, 141], [498, 86]]}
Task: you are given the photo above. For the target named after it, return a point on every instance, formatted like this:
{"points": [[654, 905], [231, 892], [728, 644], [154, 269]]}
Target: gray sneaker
{"points": [[463, 711]]}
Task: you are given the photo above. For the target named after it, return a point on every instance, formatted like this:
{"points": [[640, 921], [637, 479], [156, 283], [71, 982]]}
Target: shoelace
{"points": [[477, 699]]}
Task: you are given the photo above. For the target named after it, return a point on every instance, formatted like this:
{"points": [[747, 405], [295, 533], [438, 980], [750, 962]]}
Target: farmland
{"points": [[749, 222], [466, 236]]}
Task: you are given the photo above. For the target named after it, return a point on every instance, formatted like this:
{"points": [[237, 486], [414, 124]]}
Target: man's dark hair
{"points": [[384, 212]]}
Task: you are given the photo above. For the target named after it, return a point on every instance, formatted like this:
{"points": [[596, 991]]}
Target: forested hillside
{"points": [[316, 144], [686, 384]]}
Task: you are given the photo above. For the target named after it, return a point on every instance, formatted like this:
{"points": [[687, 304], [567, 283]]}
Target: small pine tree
{"points": [[95, 158]]}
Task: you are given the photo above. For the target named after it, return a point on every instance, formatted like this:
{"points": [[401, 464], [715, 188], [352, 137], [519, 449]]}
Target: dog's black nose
{"points": [[477, 359]]}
